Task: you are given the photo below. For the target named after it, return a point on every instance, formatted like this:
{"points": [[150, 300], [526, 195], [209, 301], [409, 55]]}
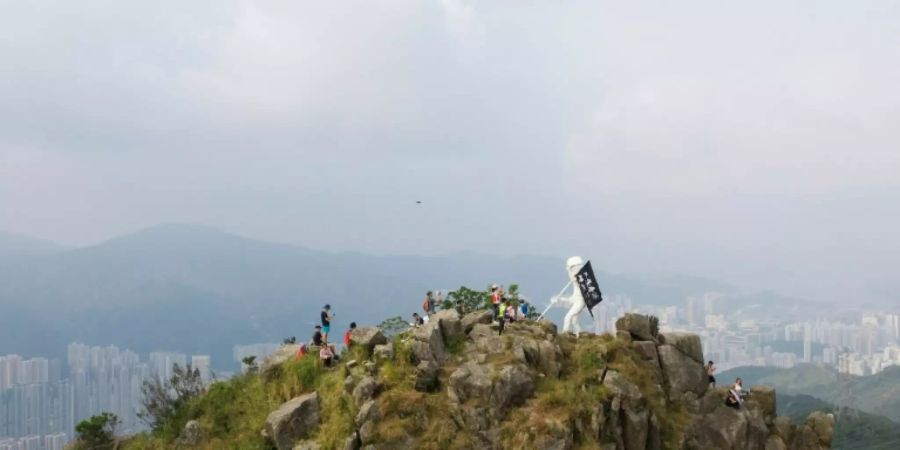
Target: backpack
{"points": [[426, 306]]}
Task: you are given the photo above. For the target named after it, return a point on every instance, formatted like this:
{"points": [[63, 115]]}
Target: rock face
{"points": [[427, 376], [473, 318], [637, 325], [686, 343], [367, 337], [294, 420], [641, 390]]}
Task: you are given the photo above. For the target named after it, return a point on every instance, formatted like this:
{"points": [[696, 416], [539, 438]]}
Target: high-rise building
{"points": [[55, 441], [807, 343]]}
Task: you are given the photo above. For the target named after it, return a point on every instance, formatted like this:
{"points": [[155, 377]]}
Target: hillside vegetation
{"points": [[457, 383], [853, 429]]}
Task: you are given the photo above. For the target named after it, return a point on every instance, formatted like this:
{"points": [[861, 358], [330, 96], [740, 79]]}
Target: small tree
{"points": [[471, 298], [98, 432], [162, 400], [393, 326]]}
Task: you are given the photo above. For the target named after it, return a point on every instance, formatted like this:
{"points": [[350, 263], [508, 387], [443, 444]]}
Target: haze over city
{"points": [[751, 143]]}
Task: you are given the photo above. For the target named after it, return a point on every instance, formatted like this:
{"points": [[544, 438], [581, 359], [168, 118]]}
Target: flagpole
{"points": [[557, 296]]}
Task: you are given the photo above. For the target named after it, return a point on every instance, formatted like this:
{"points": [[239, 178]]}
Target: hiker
{"points": [[439, 300], [326, 355], [428, 304], [710, 368], [735, 395], [417, 320], [347, 335], [501, 311], [510, 312], [317, 336], [327, 316], [496, 298], [460, 308], [302, 351], [524, 309]]}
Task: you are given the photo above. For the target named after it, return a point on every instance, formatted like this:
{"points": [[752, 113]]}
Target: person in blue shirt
{"points": [[327, 317]]}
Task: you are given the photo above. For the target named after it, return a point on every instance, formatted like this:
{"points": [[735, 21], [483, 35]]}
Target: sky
{"points": [[753, 142]]}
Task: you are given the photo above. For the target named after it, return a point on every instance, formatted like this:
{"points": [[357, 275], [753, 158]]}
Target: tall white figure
{"points": [[573, 265]]}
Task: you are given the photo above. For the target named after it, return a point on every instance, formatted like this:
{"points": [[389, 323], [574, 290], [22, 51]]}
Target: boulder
{"points": [[190, 436], [763, 397], [623, 335], [816, 433], [450, 322], [367, 337], [427, 376], [647, 350], [364, 390], [637, 325], [294, 420], [728, 428], [469, 381], [271, 364], [469, 321], [384, 352], [428, 343], [687, 343], [367, 412], [784, 428], [683, 374], [548, 326]]}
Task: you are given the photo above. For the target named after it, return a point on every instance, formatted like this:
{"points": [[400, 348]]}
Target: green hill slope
{"points": [[877, 394], [853, 429]]}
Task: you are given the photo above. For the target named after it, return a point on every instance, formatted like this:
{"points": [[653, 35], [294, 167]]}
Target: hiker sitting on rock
{"points": [[735, 395], [326, 355], [417, 320]]}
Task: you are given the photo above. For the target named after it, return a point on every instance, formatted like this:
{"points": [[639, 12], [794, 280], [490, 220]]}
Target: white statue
{"points": [[573, 265]]}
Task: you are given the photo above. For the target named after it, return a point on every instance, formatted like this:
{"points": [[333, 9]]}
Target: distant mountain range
{"points": [[13, 247], [197, 289], [876, 394]]}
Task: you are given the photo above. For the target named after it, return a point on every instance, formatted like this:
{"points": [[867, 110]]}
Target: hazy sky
{"points": [[757, 142]]}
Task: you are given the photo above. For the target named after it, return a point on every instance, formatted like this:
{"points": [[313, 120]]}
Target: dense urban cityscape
{"points": [[41, 399]]}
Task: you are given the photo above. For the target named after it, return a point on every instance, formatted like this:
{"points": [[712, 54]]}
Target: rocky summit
{"points": [[458, 383]]}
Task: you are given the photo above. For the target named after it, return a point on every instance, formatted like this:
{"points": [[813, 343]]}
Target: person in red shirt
{"points": [[496, 298], [347, 335]]}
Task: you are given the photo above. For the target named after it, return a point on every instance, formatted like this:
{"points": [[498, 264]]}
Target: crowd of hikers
{"points": [[503, 309]]}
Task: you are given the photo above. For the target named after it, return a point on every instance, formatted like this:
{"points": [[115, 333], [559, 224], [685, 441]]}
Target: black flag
{"points": [[590, 290]]}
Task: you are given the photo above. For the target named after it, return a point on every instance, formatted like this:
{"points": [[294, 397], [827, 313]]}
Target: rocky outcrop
{"points": [[637, 325], [471, 319], [642, 390], [367, 337], [427, 376], [687, 343], [293, 421], [816, 433]]}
